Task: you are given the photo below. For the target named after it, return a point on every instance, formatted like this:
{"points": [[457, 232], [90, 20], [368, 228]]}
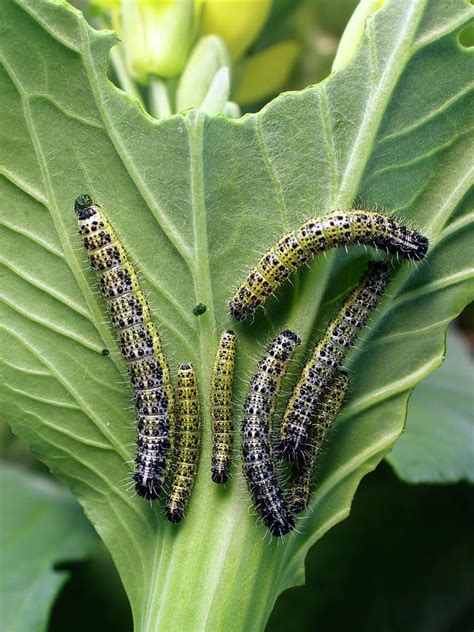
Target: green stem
{"points": [[160, 105], [225, 583]]}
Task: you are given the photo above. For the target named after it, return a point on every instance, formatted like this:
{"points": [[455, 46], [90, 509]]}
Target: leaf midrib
{"points": [[377, 105]]}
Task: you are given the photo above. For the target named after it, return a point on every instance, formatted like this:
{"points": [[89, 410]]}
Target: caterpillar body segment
{"points": [[294, 435], [302, 474], [187, 443], [258, 467], [221, 407], [139, 343], [318, 235]]}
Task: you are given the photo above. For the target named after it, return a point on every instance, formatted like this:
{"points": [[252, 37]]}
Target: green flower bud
{"points": [[157, 35], [218, 92], [232, 110], [209, 55], [354, 31]]}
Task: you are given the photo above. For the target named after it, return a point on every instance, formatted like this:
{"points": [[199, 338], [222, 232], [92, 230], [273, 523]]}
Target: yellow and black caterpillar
{"points": [[221, 407], [328, 410], [318, 235], [259, 470], [139, 343], [294, 440], [188, 439]]}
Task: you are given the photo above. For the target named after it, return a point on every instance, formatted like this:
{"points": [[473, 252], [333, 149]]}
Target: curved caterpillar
{"points": [[188, 439], [318, 235], [294, 442], [327, 412], [259, 470], [221, 407], [139, 343]]}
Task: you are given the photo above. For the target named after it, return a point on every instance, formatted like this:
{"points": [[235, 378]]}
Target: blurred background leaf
{"points": [[438, 443], [41, 525]]}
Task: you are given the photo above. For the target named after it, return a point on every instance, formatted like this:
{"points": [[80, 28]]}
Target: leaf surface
{"points": [[193, 198]]}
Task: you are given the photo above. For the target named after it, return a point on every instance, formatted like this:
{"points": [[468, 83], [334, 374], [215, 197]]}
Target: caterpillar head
{"points": [[83, 207], [408, 244]]}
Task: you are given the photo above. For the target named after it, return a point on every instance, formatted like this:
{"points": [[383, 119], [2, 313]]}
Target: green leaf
{"points": [[438, 443], [41, 527], [193, 198]]}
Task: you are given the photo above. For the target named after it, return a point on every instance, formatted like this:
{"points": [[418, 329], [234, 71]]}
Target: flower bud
{"points": [[218, 92], [157, 35], [209, 55], [107, 4], [238, 22], [354, 31], [266, 73], [232, 110]]}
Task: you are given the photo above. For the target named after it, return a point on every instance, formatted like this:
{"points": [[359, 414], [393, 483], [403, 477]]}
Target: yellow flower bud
{"points": [[238, 22], [157, 35], [266, 72], [107, 4]]}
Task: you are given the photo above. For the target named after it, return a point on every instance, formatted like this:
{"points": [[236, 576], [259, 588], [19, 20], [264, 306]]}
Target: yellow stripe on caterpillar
{"points": [[139, 343], [317, 235], [187, 444], [221, 407]]}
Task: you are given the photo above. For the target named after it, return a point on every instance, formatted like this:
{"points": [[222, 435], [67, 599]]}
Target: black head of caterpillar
{"points": [[188, 428], [139, 343], [318, 235], [221, 407], [294, 436], [405, 243], [302, 475], [259, 470], [84, 207]]}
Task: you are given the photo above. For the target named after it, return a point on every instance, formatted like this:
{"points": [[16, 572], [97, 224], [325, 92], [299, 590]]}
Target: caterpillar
{"points": [[139, 343], [188, 425], [327, 412], [318, 235], [221, 407], [259, 470], [294, 440]]}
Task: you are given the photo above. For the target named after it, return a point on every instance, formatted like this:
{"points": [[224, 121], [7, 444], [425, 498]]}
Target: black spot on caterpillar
{"points": [[139, 343], [294, 442], [199, 309], [318, 235], [259, 469], [188, 426], [328, 410], [221, 407]]}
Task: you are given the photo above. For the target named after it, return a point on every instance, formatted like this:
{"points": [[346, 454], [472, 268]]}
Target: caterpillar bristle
{"points": [[259, 469], [139, 343], [221, 407], [188, 439], [294, 442], [316, 236]]}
